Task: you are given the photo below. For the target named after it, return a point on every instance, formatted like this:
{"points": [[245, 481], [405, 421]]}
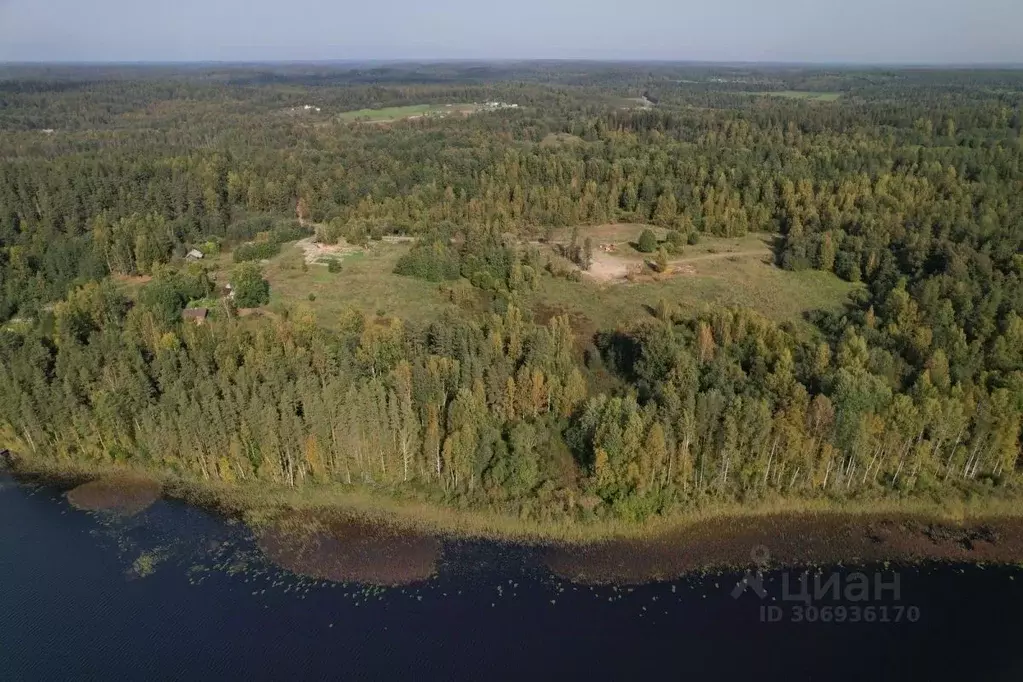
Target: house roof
{"points": [[195, 313]]}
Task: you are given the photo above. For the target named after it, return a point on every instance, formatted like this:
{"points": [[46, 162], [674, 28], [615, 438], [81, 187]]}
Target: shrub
{"points": [[675, 242], [661, 260], [847, 266], [256, 251], [334, 265], [249, 227], [289, 231], [431, 259], [250, 289], [647, 242]]}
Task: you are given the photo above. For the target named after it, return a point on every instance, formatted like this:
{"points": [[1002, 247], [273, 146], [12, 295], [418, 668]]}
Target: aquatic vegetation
{"points": [[146, 563], [793, 540], [334, 547], [122, 495]]}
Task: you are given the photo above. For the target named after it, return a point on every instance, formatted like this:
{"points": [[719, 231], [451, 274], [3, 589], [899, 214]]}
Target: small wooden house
{"points": [[196, 315], [194, 254]]}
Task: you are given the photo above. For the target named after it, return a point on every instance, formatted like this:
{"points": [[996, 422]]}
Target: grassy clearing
{"points": [[411, 111], [806, 95], [366, 282], [734, 272], [780, 295], [130, 285], [560, 139], [717, 272]]}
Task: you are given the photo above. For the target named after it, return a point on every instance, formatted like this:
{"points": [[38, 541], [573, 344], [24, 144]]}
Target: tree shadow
{"points": [[776, 243]]}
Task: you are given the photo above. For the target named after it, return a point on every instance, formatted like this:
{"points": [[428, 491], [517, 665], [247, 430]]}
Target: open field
{"points": [[412, 111], [615, 257], [731, 272], [745, 282], [559, 139], [807, 95], [734, 272], [366, 282]]}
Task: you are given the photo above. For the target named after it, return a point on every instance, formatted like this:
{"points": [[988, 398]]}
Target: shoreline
{"points": [[259, 505]]}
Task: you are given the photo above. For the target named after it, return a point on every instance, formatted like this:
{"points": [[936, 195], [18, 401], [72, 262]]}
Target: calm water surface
{"points": [[178, 594]]}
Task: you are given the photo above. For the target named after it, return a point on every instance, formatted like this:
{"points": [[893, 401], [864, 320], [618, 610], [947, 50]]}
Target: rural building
{"points": [[196, 315], [194, 254]]}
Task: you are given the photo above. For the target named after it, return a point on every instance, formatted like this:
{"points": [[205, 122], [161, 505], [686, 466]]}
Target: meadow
{"points": [[388, 114], [729, 272], [806, 95]]}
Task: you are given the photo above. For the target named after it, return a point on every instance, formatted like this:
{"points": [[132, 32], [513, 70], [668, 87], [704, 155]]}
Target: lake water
{"points": [[178, 594]]}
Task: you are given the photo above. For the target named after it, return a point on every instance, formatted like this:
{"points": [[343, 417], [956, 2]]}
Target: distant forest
{"points": [[907, 181]]}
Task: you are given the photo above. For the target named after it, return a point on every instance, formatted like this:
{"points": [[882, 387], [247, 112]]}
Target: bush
{"points": [[847, 266], [250, 289], [256, 251], [431, 259], [334, 265], [661, 260], [289, 231], [249, 228], [675, 242], [693, 239], [647, 242], [169, 292]]}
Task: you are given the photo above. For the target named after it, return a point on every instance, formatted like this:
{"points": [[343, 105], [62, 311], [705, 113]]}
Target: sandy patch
{"points": [[607, 267], [121, 495]]}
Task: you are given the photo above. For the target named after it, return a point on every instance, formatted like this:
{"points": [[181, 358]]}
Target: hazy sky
{"points": [[917, 31]]}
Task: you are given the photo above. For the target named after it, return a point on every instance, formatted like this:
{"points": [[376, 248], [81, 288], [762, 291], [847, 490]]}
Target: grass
{"points": [[806, 95], [559, 139], [366, 282], [775, 293], [718, 280], [398, 113]]}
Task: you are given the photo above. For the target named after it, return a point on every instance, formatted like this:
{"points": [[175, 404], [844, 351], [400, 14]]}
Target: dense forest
{"points": [[909, 182]]}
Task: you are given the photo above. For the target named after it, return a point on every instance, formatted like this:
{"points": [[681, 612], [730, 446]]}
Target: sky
{"points": [[821, 31]]}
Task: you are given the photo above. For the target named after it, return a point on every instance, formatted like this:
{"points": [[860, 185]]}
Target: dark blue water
{"points": [[74, 606]]}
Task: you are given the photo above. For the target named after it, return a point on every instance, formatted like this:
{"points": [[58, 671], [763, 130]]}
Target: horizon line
{"points": [[506, 60]]}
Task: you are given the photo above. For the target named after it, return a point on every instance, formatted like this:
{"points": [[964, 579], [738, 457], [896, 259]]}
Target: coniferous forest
{"points": [[907, 184]]}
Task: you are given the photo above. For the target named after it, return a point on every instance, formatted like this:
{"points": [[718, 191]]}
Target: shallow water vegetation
{"points": [[145, 564], [332, 546], [123, 495], [789, 540]]}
